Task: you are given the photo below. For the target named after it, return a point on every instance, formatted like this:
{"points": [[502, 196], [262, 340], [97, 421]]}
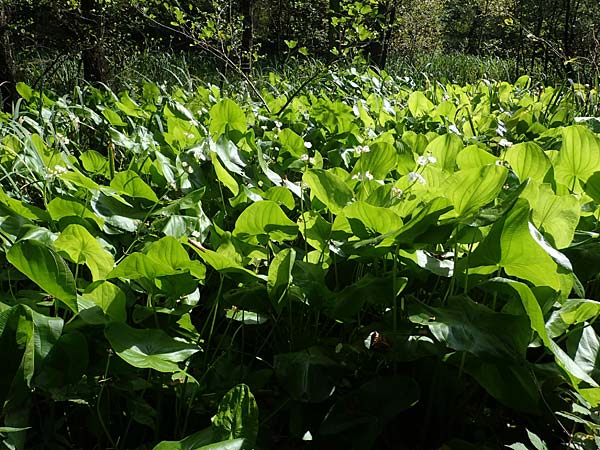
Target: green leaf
{"points": [[307, 375], [265, 219], [574, 311], [129, 183], [237, 415], [280, 275], [148, 348], [362, 415], [474, 157], [109, 298], [378, 161], [222, 263], [231, 444], [223, 176], [468, 326], [515, 245], [24, 91], [419, 105], [528, 160], [445, 149], [82, 248], [329, 189], [471, 189], [587, 355], [139, 265], [226, 116], [365, 219], [592, 186], [556, 215], [534, 312], [46, 269], [579, 156]]}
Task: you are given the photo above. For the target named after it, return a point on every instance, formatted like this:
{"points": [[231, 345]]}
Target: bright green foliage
{"points": [[362, 263]]}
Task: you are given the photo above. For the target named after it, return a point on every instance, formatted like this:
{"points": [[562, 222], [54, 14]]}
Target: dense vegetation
{"points": [[368, 264], [60, 43], [276, 224]]}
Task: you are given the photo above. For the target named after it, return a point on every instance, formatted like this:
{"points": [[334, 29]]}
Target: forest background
{"points": [[56, 43]]}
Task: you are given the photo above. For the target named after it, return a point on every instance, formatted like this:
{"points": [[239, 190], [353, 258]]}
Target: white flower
{"points": [[424, 160], [397, 192], [414, 177], [189, 135], [184, 164], [278, 124], [305, 157], [505, 143], [308, 145], [363, 176], [362, 149], [195, 234], [60, 169]]}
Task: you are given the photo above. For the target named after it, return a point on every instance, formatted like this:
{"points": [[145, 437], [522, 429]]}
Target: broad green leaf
{"points": [[536, 318], [61, 207], [445, 149], [26, 337], [556, 215], [24, 90], [528, 160], [329, 189], [512, 384], [587, 355], [95, 163], [82, 248], [380, 401], [574, 311], [579, 156], [315, 230], [280, 274], [148, 348], [109, 298], [592, 186], [282, 196], [139, 265], [306, 375], [129, 183], [265, 219], [517, 246], [469, 190], [347, 304], [23, 209], [474, 157], [467, 326], [419, 105], [365, 220], [230, 444], [192, 442], [291, 142], [237, 416], [223, 176], [222, 263], [226, 116], [378, 161], [45, 268]]}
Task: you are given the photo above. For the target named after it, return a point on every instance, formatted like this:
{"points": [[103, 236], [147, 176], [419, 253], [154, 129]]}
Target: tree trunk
{"points": [[246, 8], [378, 48], [332, 34], [8, 73], [94, 63]]}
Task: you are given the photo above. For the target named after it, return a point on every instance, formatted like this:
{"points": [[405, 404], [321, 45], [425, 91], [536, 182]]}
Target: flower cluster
{"points": [[424, 160], [413, 177]]}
